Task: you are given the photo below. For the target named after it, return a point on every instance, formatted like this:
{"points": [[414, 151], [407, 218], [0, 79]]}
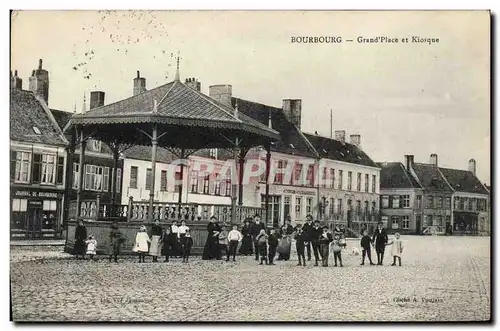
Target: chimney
{"points": [[193, 83], [39, 82], [139, 84], [356, 140], [96, 99], [472, 166], [292, 108], [340, 135], [409, 160], [15, 81], [221, 93], [434, 160]]}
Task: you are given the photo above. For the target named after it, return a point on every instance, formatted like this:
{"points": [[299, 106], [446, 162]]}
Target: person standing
{"points": [[324, 243], [300, 238], [246, 243], [141, 243], [380, 240], [366, 246], [156, 232], [176, 249], [272, 241], [397, 249], [314, 234], [261, 240], [115, 240], [92, 247], [80, 238], [255, 231], [285, 244], [223, 244], [307, 228], [167, 243], [234, 237], [211, 245], [186, 244], [337, 245]]}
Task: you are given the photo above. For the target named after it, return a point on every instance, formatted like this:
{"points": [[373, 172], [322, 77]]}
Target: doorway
{"points": [[34, 223], [418, 223]]}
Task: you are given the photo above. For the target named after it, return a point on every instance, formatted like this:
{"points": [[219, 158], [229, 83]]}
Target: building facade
{"points": [[38, 159]]}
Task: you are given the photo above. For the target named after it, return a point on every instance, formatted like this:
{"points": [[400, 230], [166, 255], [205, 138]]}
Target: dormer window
{"points": [[291, 145], [36, 130]]}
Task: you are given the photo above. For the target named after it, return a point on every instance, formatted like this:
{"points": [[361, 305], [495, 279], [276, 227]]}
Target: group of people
{"points": [[223, 241]]}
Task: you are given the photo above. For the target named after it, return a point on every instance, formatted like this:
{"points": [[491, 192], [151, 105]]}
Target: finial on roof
{"points": [[84, 106], [236, 109], [74, 108], [177, 75]]}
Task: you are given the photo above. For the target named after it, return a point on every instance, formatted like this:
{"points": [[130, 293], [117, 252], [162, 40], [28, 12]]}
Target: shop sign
{"points": [[287, 191], [37, 194]]}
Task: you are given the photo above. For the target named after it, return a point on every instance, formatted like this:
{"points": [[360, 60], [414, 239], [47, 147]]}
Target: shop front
{"points": [[35, 213]]}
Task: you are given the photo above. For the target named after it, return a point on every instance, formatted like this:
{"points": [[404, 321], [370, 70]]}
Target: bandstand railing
{"points": [[162, 211]]}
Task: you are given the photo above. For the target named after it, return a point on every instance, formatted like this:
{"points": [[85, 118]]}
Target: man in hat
{"points": [[380, 240], [315, 233], [307, 228], [257, 226]]}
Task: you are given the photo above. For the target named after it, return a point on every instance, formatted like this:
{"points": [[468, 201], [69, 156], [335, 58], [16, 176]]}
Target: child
{"points": [[91, 246], [168, 245], [187, 243], [324, 243], [261, 240], [141, 243], [366, 245], [116, 238], [222, 237], [337, 245], [397, 248], [272, 241], [300, 239], [234, 237]]}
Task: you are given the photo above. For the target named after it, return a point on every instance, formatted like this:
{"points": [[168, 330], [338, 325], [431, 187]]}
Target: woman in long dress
{"points": [[285, 244], [80, 238], [246, 244], [212, 244], [156, 232]]}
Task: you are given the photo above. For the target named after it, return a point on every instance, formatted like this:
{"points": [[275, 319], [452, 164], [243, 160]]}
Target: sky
{"points": [[402, 98]]}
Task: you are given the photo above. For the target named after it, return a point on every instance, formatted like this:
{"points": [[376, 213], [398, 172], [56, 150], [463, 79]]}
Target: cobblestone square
{"points": [[442, 279]]}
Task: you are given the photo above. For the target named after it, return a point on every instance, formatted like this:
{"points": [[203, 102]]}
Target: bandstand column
{"points": [[241, 161], [268, 169], [181, 179], [234, 187], [83, 144], [116, 155], [154, 144]]}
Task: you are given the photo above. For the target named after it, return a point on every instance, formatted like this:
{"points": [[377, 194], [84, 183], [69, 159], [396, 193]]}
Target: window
{"points": [[178, 178], [22, 167], [385, 201], [36, 170], [427, 220], [439, 202], [471, 203], [358, 207], [340, 206], [395, 201], [367, 205], [274, 208], [163, 181], [286, 205], [278, 177], [374, 180], [76, 166], [48, 169], [18, 215], [430, 202], [405, 222], [206, 184], [374, 206], [133, 176], [298, 208], [298, 173], [481, 205], [349, 180], [213, 153], [96, 178], [310, 175], [118, 180], [36, 130], [324, 180], [341, 173], [217, 184], [149, 173], [94, 145], [395, 222], [456, 203], [60, 170], [447, 203], [331, 207], [439, 221], [332, 178], [461, 205], [367, 182], [309, 205], [419, 202], [406, 201], [358, 182], [228, 184], [349, 204], [194, 181]]}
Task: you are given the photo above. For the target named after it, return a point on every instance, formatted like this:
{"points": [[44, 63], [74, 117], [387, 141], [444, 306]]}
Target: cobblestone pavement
{"points": [[444, 279]]}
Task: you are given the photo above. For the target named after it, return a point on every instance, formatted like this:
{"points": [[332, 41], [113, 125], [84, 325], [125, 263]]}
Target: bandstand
{"points": [[182, 120]]}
